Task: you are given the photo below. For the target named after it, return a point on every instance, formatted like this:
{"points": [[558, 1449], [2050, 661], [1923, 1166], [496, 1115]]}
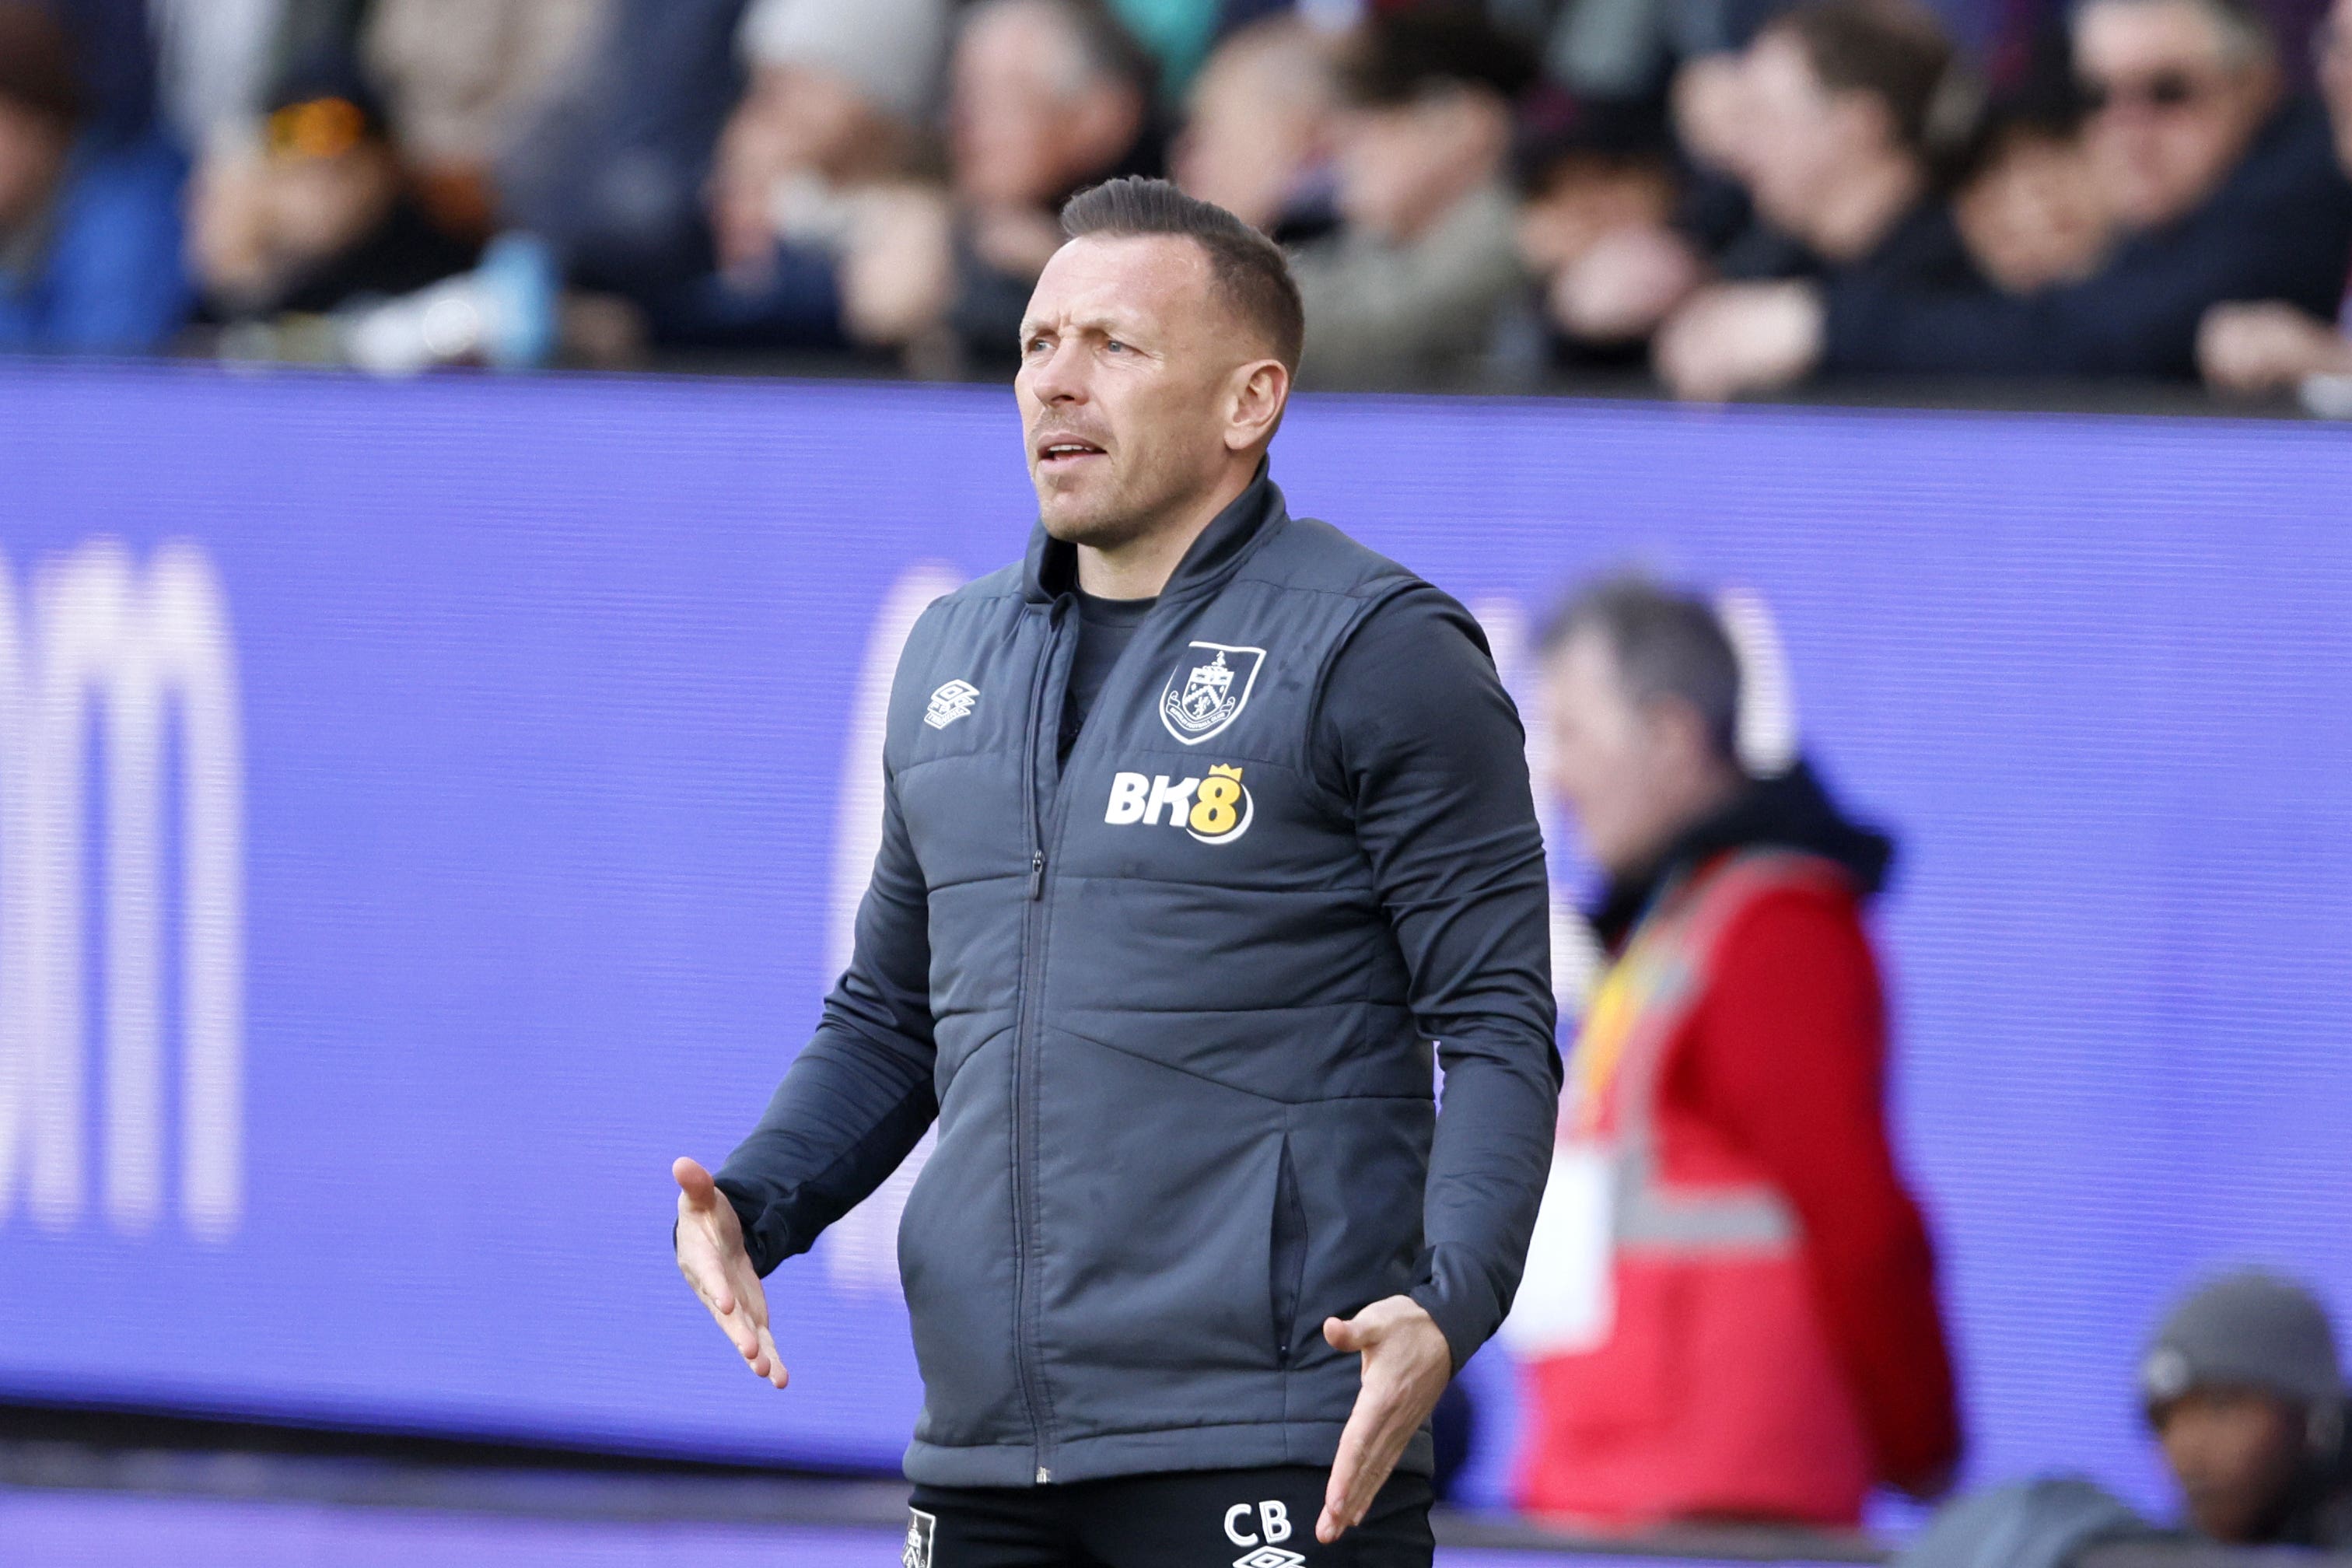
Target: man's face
{"points": [[1024, 123], [2034, 216], [1129, 365], [2234, 1453], [1403, 166], [1251, 134], [1607, 756], [2173, 109], [2335, 52], [1802, 140]]}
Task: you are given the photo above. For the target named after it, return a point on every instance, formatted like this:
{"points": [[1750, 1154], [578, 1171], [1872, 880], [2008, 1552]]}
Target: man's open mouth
{"points": [[1052, 454]]}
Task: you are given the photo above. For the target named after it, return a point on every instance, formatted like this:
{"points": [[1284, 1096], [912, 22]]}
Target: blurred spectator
{"points": [[89, 229], [2263, 346], [460, 79], [321, 215], [1592, 174], [1412, 286], [1856, 110], [2223, 192], [2243, 1390], [1256, 141], [1735, 1317], [215, 60], [613, 171], [834, 108], [1046, 97], [2031, 209], [1842, 124]]}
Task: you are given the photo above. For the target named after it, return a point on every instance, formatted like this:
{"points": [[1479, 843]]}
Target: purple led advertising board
{"points": [[429, 808]]}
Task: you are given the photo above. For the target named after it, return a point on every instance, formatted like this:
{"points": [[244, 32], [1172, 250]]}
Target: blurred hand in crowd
{"points": [[832, 104], [2176, 97], [793, 124], [1582, 199], [260, 219], [2267, 346], [1259, 121], [2033, 213], [898, 271], [1737, 338], [2251, 349], [1624, 284]]}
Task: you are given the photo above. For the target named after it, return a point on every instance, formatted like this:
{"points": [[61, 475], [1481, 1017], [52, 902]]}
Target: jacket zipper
{"points": [[1032, 1397]]}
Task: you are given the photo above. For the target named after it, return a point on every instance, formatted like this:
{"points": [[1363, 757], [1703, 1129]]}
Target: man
{"points": [[2272, 343], [1851, 119], [1256, 141], [2243, 1390], [322, 215], [1757, 1337], [1199, 826], [1045, 96], [2223, 190], [89, 229], [830, 123], [1410, 289]]}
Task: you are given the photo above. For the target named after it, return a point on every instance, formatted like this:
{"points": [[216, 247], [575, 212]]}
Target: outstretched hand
{"points": [[711, 1255], [1406, 1366]]}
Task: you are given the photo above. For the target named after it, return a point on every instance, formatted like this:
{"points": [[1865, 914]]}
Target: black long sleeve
{"points": [[1416, 731], [859, 1095]]}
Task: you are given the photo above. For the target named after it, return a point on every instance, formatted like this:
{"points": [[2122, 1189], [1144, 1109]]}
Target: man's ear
{"points": [[1261, 388]]}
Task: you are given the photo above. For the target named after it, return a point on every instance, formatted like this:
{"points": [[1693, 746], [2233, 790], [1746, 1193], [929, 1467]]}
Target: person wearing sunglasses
{"points": [[2225, 187], [2249, 348]]}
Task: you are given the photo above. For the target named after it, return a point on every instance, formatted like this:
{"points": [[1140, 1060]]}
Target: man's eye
{"points": [[1115, 347], [1033, 345]]}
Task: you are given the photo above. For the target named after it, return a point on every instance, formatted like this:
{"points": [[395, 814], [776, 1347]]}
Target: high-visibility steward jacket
{"points": [[1692, 1376]]}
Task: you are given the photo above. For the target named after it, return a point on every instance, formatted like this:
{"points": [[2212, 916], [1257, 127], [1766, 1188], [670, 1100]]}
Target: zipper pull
{"points": [[1037, 875]]}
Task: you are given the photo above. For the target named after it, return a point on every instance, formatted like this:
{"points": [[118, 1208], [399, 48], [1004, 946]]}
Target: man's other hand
{"points": [[1406, 1366], [711, 1255]]}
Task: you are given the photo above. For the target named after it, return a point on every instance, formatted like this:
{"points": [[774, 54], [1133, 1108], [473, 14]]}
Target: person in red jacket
{"points": [[1731, 1308]]}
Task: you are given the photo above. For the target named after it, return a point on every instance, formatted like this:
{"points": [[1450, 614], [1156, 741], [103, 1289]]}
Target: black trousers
{"points": [[1185, 1519]]}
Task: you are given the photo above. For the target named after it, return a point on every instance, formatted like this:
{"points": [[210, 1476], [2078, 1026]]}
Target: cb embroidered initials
{"points": [[1272, 1518]]}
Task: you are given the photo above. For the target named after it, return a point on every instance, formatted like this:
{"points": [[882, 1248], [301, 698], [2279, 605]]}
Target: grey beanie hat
{"points": [[891, 50], [2248, 1330]]}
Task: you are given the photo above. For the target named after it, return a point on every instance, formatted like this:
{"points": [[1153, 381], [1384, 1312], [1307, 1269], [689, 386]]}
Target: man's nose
{"points": [[1058, 379]]}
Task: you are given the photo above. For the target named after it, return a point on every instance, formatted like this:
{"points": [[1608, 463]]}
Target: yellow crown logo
{"points": [[1219, 771]]}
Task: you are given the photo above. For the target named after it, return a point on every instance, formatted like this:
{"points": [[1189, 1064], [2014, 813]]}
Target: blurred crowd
{"points": [[1738, 195]]}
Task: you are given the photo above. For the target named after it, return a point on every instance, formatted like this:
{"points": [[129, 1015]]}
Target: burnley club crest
{"points": [[1210, 687]]}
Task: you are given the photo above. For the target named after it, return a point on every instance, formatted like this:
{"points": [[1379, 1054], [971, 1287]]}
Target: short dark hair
{"points": [[1395, 56], [37, 72], [1248, 270], [1896, 51], [1665, 644]]}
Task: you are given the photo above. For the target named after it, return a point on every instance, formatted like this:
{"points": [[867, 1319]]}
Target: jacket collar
{"points": [[1258, 513]]}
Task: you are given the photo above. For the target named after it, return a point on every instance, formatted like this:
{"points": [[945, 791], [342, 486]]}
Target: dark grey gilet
{"points": [[1184, 1113]]}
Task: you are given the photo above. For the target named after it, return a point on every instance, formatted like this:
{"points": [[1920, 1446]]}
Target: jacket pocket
{"points": [[1287, 1265]]}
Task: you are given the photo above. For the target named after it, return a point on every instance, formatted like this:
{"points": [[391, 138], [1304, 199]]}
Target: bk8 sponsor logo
{"points": [[1214, 810]]}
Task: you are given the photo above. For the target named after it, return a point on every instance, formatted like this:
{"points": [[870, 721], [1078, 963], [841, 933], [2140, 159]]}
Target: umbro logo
{"points": [[1268, 1557], [950, 703]]}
